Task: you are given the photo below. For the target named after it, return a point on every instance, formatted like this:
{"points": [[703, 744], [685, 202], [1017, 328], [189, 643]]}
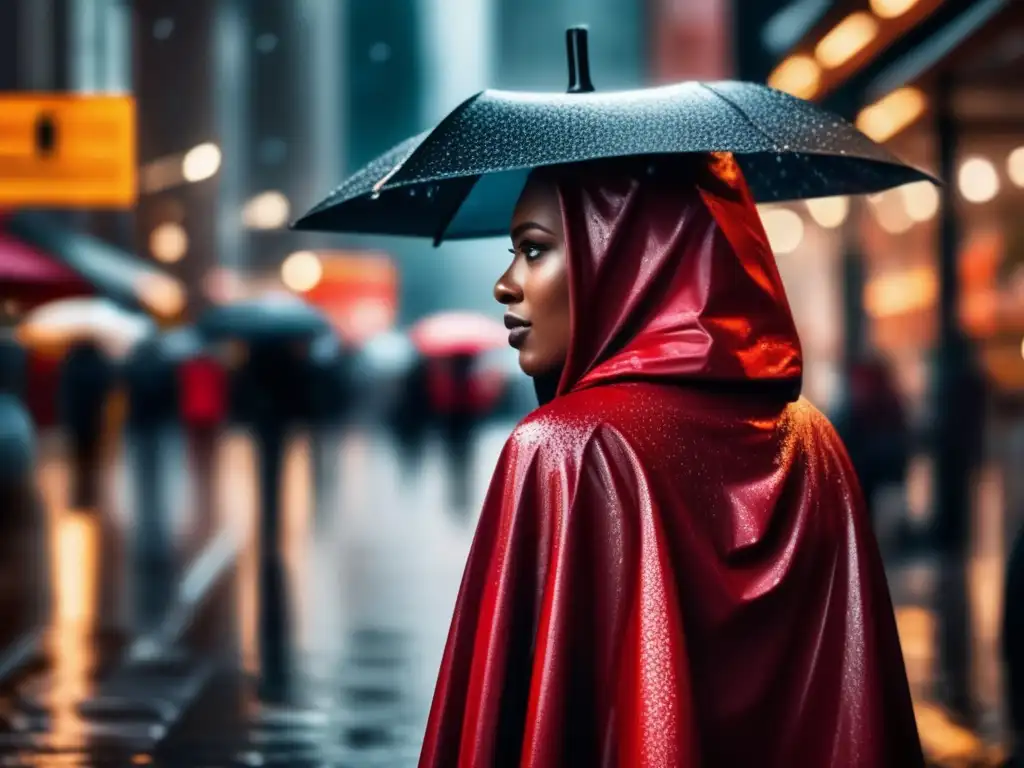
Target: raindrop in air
{"points": [[272, 151], [265, 43], [380, 52], [162, 28]]}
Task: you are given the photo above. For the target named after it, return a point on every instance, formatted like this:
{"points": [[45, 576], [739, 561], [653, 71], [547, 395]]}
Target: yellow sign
{"points": [[67, 151]]}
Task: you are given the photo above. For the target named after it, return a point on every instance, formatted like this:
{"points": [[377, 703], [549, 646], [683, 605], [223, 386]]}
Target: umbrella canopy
{"points": [[439, 184], [61, 323], [111, 272], [457, 333], [389, 353], [277, 317]]}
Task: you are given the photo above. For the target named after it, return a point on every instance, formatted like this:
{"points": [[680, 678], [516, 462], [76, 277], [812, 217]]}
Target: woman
{"points": [[673, 566]]}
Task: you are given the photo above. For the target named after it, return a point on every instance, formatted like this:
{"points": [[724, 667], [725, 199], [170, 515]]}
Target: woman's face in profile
{"points": [[535, 287]]}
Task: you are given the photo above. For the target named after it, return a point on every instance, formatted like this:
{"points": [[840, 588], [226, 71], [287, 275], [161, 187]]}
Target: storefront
{"points": [[929, 279], [903, 69]]}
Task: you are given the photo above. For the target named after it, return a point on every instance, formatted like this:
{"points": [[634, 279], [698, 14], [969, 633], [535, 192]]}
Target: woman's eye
{"points": [[531, 251]]}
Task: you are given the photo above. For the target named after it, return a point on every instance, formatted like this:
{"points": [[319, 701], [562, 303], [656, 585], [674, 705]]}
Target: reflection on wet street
{"points": [[159, 646], [177, 640]]}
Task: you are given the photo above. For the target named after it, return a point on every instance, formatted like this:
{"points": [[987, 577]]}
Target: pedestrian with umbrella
{"points": [[277, 330], [203, 388], [673, 565], [325, 375], [389, 376], [152, 387], [451, 342]]}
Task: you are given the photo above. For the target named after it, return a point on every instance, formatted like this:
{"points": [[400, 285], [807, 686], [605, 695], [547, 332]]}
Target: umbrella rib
{"points": [[755, 125], [743, 113], [450, 216], [428, 139]]}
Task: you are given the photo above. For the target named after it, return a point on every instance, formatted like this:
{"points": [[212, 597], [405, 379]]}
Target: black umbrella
{"points": [[462, 179], [273, 318]]}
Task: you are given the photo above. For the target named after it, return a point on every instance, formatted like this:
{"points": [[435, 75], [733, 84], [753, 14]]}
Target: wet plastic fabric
{"points": [[673, 566]]}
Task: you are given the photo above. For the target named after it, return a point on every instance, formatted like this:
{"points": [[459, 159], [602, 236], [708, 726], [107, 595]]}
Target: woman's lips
{"points": [[517, 336], [518, 328]]}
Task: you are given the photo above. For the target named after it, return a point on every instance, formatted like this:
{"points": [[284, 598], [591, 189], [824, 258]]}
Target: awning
{"points": [[113, 273], [23, 264]]}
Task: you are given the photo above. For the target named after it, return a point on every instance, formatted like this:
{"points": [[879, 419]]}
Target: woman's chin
{"points": [[533, 366], [528, 363]]}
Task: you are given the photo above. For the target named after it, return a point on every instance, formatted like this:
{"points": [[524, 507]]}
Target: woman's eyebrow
{"points": [[519, 229]]}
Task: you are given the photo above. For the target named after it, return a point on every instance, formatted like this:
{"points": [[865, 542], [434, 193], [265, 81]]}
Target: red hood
{"points": [[672, 281]]}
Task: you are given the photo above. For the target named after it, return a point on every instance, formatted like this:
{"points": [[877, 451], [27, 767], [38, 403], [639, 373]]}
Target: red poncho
{"points": [[673, 567]]}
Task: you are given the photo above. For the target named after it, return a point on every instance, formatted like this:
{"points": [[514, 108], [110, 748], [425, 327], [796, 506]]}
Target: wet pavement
{"points": [[170, 641]]}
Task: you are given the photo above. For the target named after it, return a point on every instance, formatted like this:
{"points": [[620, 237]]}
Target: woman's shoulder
{"points": [[634, 414], [572, 422]]}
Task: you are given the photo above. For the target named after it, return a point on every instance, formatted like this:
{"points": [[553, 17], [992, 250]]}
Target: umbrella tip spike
{"points": [[579, 60]]}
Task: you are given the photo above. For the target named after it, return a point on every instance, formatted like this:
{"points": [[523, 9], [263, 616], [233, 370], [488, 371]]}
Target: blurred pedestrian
{"points": [[203, 387], [874, 427], [152, 392], [410, 416], [1013, 645], [454, 401], [152, 396], [86, 380], [24, 568], [273, 374], [327, 406]]}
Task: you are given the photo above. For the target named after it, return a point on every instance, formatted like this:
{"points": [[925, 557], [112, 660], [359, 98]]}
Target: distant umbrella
{"points": [[61, 323], [462, 179], [279, 317], [457, 333], [388, 353], [181, 343]]}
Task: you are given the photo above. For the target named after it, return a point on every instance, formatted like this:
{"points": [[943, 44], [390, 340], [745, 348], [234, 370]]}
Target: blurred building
{"points": [[250, 111]]}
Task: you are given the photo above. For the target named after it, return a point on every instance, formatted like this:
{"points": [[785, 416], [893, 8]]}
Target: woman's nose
{"points": [[507, 290]]}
